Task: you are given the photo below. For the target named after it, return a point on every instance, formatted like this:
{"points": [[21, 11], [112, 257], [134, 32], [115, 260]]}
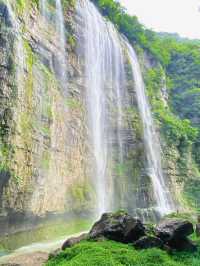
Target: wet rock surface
{"points": [[148, 242], [119, 227], [73, 241], [169, 234], [171, 229], [174, 234], [182, 244]]}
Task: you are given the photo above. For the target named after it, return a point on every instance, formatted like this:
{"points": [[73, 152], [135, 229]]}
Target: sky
{"points": [[180, 16]]}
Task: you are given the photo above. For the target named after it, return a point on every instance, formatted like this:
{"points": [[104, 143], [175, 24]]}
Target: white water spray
{"points": [[62, 57], [19, 55], [151, 140], [60, 66], [104, 80], [43, 7]]}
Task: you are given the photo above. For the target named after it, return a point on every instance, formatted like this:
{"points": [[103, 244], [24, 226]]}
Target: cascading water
{"points": [[104, 79], [43, 7], [152, 145], [62, 57], [104, 61], [19, 56], [60, 64]]}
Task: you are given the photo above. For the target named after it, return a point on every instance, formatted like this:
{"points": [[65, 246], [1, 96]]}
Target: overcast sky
{"points": [[181, 16]]}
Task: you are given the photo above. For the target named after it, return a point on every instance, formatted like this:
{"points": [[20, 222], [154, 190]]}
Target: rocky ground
{"points": [[170, 235]]}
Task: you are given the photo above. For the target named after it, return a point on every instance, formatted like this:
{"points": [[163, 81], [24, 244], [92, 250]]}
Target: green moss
{"points": [[45, 130], [136, 123], [69, 4], [73, 104], [81, 197], [45, 160], [72, 41], [110, 253]]}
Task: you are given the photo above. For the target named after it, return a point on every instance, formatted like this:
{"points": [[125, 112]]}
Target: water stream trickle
{"points": [[60, 64], [19, 56], [43, 7], [62, 56], [151, 140]]}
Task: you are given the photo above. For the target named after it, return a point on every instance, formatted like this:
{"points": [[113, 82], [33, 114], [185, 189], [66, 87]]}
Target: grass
{"points": [[110, 253]]}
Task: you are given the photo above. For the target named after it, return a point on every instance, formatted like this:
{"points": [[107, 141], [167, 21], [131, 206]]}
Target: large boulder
{"points": [[173, 229], [73, 241], [146, 242], [182, 244], [174, 234], [119, 227]]}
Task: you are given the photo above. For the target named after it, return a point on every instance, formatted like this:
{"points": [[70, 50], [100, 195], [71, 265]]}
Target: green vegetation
{"points": [[110, 253], [162, 47], [81, 197], [73, 104], [179, 60]]}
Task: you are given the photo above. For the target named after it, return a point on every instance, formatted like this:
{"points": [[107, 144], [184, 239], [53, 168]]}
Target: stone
{"points": [[173, 229], [148, 242], [73, 241], [55, 253], [182, 244], [119, 227]]}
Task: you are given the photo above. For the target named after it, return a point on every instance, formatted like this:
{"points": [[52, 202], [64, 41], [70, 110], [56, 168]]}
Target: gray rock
{"points": [[119, 226], [182, 244], [73, 241], [55, 253], [173, 229], [148, 242]]}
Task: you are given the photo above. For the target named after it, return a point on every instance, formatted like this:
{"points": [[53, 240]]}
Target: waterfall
{"points": [[104, 62], [62, 57], [43, 7], [104, 71], [60, 64], [19, 56], [151, 140]]}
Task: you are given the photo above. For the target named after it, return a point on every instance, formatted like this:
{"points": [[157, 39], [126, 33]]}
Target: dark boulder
{"points": [[173, 229], [119, 227], [182, 244], [73, 241], [148, 242], [174, 234]]}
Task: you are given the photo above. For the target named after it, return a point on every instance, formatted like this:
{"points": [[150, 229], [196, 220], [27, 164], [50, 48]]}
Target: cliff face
{"points": [[43, 133], [46, 157]]}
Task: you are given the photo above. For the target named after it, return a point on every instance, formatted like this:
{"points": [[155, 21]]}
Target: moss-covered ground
{"points": [[109, 253]]}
